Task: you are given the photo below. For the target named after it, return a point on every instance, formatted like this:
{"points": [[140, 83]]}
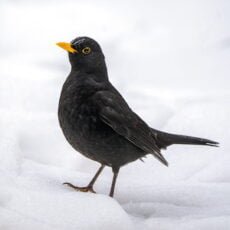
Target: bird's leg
{"points": [[115, 174], [89, 187]]}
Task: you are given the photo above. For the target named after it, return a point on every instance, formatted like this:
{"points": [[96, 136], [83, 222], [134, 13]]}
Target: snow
{"points": [[170, 60]]}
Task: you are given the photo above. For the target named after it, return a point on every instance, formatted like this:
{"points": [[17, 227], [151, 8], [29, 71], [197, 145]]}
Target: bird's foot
{"points": [[81, 189]]}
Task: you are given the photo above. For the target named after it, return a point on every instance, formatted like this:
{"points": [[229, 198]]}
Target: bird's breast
{"points": [[81, 124]]}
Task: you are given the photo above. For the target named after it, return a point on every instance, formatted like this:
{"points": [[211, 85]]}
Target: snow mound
{"points": [[170, 60]]}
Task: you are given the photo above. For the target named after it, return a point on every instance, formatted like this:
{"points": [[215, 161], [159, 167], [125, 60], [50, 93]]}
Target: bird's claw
{"points": [[81, 189]]}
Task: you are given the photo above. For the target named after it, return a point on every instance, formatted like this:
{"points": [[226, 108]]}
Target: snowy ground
{"points": [[170, 59]]}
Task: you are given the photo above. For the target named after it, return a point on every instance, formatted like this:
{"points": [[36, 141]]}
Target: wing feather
{"points": [[115, 112]]}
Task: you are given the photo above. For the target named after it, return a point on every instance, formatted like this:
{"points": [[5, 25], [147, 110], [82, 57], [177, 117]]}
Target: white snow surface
{"points": [[170, 60]]}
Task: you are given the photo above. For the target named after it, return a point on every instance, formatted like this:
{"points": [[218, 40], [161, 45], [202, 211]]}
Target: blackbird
{"points": [[97, 121]]}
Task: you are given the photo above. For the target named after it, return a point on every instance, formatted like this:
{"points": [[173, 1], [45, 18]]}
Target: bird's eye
{"points": [[86, 50]]}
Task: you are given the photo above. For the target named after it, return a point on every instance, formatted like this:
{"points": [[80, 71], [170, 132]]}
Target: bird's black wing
{"points": [[115, 112]]}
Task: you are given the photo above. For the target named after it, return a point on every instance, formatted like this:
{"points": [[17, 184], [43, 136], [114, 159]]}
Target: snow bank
{"points": [[170, 60], [63, 210]]}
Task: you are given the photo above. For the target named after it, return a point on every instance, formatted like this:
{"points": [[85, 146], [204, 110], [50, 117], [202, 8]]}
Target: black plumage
{"points": [[97, 121]]}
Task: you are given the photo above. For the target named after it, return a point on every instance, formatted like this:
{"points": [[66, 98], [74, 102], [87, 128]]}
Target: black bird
{"points": [[97, 121]]}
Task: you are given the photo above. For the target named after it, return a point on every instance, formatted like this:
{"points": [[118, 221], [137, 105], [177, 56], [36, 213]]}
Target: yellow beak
{"points": [[67, 46]]}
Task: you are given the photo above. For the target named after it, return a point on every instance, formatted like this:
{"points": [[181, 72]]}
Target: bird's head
{"points": [[84, 54]]}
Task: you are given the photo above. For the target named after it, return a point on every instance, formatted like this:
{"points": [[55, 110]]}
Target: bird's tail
{"points": [[166, 139]]}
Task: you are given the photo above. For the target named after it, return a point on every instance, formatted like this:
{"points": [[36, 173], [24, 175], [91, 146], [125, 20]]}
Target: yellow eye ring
{"points": [[86, 50]]}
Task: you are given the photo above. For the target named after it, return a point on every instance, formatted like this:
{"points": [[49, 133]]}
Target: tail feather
{"points": [[166, 139]]}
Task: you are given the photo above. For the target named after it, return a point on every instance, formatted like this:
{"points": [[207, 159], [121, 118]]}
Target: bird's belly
{"points": [[97, 141]]}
